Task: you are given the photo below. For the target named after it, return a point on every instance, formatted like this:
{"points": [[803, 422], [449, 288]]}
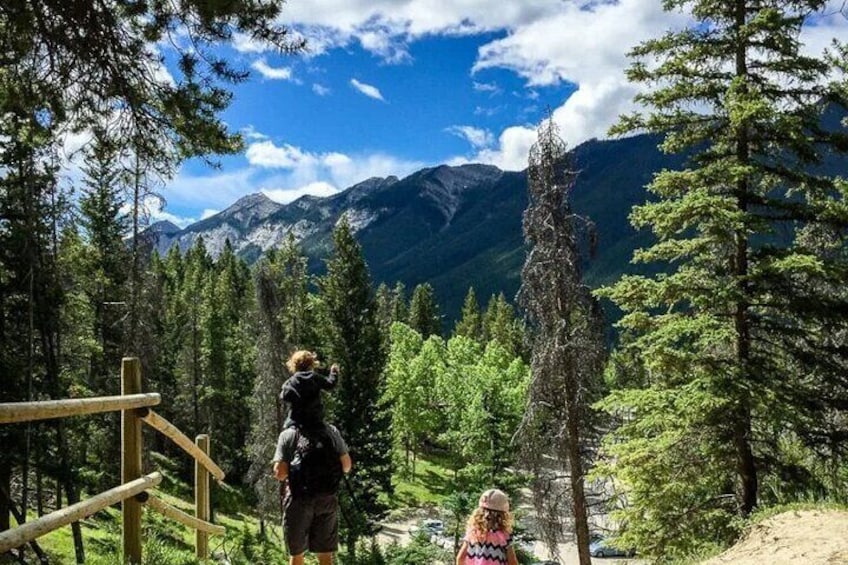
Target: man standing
{"points": [[313, 461]]}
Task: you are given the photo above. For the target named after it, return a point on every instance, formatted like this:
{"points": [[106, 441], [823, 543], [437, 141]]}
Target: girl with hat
{"points": [[488, 534]]}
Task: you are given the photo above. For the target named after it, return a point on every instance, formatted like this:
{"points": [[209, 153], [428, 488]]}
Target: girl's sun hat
{"points": [[494, 500]]}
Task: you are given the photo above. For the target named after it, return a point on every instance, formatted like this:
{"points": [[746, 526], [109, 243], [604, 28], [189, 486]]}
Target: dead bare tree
{"points": [[558, 433]]}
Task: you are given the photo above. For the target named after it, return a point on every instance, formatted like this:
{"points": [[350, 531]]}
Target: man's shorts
{"points": [[311, 523]]}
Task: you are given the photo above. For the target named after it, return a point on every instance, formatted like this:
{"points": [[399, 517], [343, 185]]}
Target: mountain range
{"points": [[453, 227]]}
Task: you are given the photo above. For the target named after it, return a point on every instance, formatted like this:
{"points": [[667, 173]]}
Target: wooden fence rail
{"points": [[17, 412], [132, 494], [156, 421], [178, 515], [29, 531]]}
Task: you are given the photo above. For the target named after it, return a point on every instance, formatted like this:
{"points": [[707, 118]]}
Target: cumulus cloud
{"points": [[477, 137], [300, 168], [512, 149], [284, 172], [367, 89], [383, 44], [269, 72]]}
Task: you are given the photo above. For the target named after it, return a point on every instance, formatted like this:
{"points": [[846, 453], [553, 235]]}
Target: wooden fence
{"points": [[135, 408]]}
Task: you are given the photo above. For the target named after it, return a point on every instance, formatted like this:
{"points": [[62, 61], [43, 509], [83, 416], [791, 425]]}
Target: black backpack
{"points": [[315, 468]]}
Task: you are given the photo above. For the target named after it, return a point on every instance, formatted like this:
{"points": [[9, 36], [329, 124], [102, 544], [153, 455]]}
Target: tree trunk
{"points": [[578, 493], [745, 466], [39, 490], [5, 486]]}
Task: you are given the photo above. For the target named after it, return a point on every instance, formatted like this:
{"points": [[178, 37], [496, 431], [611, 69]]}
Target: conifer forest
{"points": [[667, 412]]}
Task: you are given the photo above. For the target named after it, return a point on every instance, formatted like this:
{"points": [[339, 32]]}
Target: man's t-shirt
{"points": [[287, 443]]}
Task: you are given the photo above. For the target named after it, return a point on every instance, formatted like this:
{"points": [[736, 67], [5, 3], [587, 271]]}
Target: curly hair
{"points": [[482, 520], [302, 360]]}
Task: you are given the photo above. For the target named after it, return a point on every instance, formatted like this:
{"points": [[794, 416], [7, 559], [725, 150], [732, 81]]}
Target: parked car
{"points": [[433, 526], [599, 548]]}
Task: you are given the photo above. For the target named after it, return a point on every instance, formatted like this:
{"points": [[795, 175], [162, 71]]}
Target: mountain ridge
{"points": [[452, 226]]}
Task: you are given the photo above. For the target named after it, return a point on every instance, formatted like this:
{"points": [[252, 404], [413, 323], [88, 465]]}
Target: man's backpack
{"points": [[315, 468]]}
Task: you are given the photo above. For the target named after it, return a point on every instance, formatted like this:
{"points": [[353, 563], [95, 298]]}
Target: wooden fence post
{"points": [[201, 499], [131, 461]]}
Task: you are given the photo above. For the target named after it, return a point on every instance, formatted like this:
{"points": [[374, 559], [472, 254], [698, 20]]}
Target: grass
{"points": [[165, 541], [169, 543], [429, 487], [765, 513]]}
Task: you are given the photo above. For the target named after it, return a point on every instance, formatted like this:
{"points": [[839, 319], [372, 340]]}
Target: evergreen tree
{"points": [[735, 337], [424, 311], [501, 324], [355, 343], [400, 306], [568, 350], [101, 61], [470, 323], [197, 266], [227, 359], [284, 323], [385, 308], [106, 229]]}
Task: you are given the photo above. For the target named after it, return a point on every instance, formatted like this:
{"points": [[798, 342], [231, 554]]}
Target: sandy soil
{"points": [[810, 537]]}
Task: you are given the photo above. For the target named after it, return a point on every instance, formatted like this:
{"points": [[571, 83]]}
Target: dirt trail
{"points": [[808, 537]]}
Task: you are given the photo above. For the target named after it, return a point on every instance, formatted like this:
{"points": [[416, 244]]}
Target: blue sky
{"points": [[391, 86]]}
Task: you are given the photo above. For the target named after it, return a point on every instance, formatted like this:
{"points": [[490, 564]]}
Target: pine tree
{"points": [[734, 337], [227, 359], [424, 311], [284, 323], [568, 351], [105, 229], [470, 323], [32, 294], [501, 324], [385, 308], [355, 343], [400, 306]]}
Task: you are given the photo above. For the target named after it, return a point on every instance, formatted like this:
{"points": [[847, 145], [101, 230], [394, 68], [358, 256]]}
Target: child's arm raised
{"points": [[330, 381]]}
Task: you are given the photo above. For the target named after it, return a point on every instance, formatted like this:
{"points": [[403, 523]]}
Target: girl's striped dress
{"points": [[487, 550]]}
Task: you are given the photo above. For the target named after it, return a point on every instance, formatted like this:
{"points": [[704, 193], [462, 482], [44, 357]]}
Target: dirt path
{"points": [[808, 537]]}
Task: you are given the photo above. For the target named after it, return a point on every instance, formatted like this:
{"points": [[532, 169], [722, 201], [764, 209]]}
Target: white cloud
{"points": [[266, 154], [296, 167], [271, 73], [477, 137], [251, 133], [367, 90], [243, 43], [320, 90], [286, 195], [208, 213], [217, 190], [153, 210], [381, 43], [512, 150]]}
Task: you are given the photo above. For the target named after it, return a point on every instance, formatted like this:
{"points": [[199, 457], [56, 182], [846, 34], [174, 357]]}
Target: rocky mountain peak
{"points": [[249, 210], [164, 227]]}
